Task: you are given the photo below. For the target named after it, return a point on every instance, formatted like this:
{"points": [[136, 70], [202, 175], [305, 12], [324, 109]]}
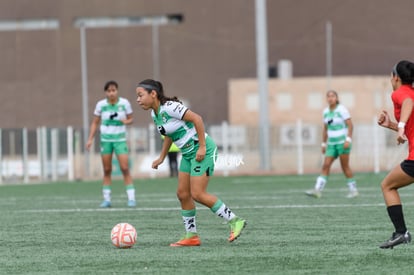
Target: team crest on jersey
{"points": [[161, 130], [164, 118]]}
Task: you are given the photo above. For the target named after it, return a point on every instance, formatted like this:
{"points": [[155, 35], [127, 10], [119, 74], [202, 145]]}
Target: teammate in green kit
{"points": [[186, 129], [336, 142], [111, 115]]}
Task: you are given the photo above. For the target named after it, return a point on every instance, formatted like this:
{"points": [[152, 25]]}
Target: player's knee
{"points": [[107, 171], [326, 167], [124, 170], [386, 186], [183, 195], [197, 195]]}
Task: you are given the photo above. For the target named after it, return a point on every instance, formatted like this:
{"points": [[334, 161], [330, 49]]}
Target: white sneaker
{"points": [[352, 194], [314, 193]]}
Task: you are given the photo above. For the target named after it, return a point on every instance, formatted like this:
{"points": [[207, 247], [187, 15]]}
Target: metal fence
{"points": [[52, 154]]}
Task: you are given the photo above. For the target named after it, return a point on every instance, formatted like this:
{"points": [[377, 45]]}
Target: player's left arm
{"points": [[197, 120], [129, 119], [406, 110], [346, 116], [350, 127], [128, 110]]}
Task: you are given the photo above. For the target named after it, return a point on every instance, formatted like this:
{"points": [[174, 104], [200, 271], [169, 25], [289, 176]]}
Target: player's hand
{"points": [[201, 153], [156, 163], [401, 136], [88, 145], [346, 144], [384, 119]]}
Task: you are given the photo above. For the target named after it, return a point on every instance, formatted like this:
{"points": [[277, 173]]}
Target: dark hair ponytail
{"points": [[405, 71], [150, 84]]}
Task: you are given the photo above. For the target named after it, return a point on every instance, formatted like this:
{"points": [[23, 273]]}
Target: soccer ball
{"points": [[123, 235]]}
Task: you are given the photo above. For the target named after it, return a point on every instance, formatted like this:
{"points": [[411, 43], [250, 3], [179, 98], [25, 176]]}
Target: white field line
{"points": [[148, 209], [296, 179], [74, 205], [365, 192], [247, 196]]}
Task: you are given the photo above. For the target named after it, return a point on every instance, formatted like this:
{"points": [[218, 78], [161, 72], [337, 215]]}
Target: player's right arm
{"points": [[164, 151], [384, 120], [94, 126]]}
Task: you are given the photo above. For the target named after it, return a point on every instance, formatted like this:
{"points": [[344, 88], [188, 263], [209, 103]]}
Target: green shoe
{"points": [[236, 226]]}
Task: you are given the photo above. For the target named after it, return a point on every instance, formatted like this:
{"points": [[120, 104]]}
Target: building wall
{"points": [[305, 98], [298, 103], [40, 74]]}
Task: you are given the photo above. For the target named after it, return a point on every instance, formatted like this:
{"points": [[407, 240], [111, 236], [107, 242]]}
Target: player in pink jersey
{"points": [[402, 80]]}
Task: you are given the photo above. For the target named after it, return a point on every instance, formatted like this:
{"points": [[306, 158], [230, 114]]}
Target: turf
{"points": [[57, 228]]}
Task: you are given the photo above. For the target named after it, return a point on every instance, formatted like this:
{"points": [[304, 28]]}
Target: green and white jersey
{"points": [[112, 129], [335, 124], [169, 123]]}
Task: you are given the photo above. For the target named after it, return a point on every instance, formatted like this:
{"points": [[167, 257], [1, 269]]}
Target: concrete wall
{"points": [[40, 74], [305, 98]]}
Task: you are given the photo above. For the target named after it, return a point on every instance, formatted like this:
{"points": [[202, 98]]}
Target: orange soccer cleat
{"points": [[190, 239]]}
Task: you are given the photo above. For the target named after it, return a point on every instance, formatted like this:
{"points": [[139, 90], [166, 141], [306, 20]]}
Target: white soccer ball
{"points": [[123, 235]]}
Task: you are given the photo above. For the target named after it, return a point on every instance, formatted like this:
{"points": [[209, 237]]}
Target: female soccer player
{"points": [[186, 129], [337, 142], [112, 114], [402, 79]]}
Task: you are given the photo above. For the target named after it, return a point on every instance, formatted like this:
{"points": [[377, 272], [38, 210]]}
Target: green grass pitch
{"points": [[57, 228]]}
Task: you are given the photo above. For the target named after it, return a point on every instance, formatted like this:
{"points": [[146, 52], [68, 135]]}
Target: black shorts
{"points": [[408, 167]]}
